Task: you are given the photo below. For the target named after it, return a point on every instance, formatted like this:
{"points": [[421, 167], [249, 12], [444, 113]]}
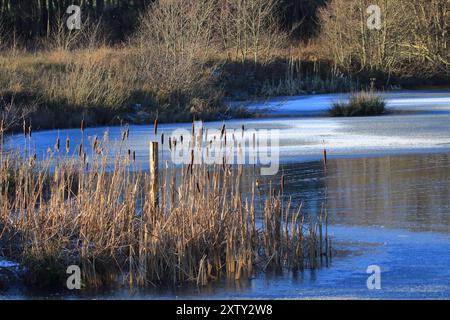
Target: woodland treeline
{"points": [[33, 19]]}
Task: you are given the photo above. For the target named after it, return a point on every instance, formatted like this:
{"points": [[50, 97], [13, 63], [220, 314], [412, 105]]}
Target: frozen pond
{"points": [[386, 188], [417, 126]]}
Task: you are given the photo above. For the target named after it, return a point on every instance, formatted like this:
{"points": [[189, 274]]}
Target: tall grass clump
{"points": [[83, 210], [360, 104]]}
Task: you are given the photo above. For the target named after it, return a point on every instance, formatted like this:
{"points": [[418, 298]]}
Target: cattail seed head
{"points": [[67, 145], [57, 145], [95, 143], [222, 131], [155, 127]]}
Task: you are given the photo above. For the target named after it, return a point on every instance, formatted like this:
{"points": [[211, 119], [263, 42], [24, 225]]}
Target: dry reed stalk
{"points": [[57, 213]]}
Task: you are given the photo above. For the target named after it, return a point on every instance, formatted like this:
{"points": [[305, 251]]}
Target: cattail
{"points": [[170, 143], [325, 156], [134, 156], [127, 133], [80, 150], [95, 143], [243, 130], [67, 144], [282, 184], [155, 127], [181, 139], [222, 131], [162, 138], [57, 145]]}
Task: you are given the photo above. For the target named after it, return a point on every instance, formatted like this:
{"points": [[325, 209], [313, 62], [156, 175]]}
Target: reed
{"points": [[67, 210]]}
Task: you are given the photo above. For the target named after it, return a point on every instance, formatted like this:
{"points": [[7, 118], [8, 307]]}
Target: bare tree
{"points": [[174, 41], [250, 28], [413, 37]]}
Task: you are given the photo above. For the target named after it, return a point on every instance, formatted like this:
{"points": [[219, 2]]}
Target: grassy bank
{"points": [[204, 226], [109, 86], [55, 89], [106, 86]]}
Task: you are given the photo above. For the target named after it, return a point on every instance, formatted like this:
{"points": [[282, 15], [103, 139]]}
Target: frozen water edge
{"points": [[417, 100], [304, 138]]}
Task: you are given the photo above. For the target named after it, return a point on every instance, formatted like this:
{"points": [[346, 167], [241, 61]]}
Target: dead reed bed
{"points": [[75, 208]]}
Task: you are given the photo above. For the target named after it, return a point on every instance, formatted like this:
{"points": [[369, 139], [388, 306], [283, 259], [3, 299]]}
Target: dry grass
{"points": [[76, 210], [363, 103]]}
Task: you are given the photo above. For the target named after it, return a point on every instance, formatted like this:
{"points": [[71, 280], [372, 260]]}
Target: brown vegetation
{"points": [[75, 211]]}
